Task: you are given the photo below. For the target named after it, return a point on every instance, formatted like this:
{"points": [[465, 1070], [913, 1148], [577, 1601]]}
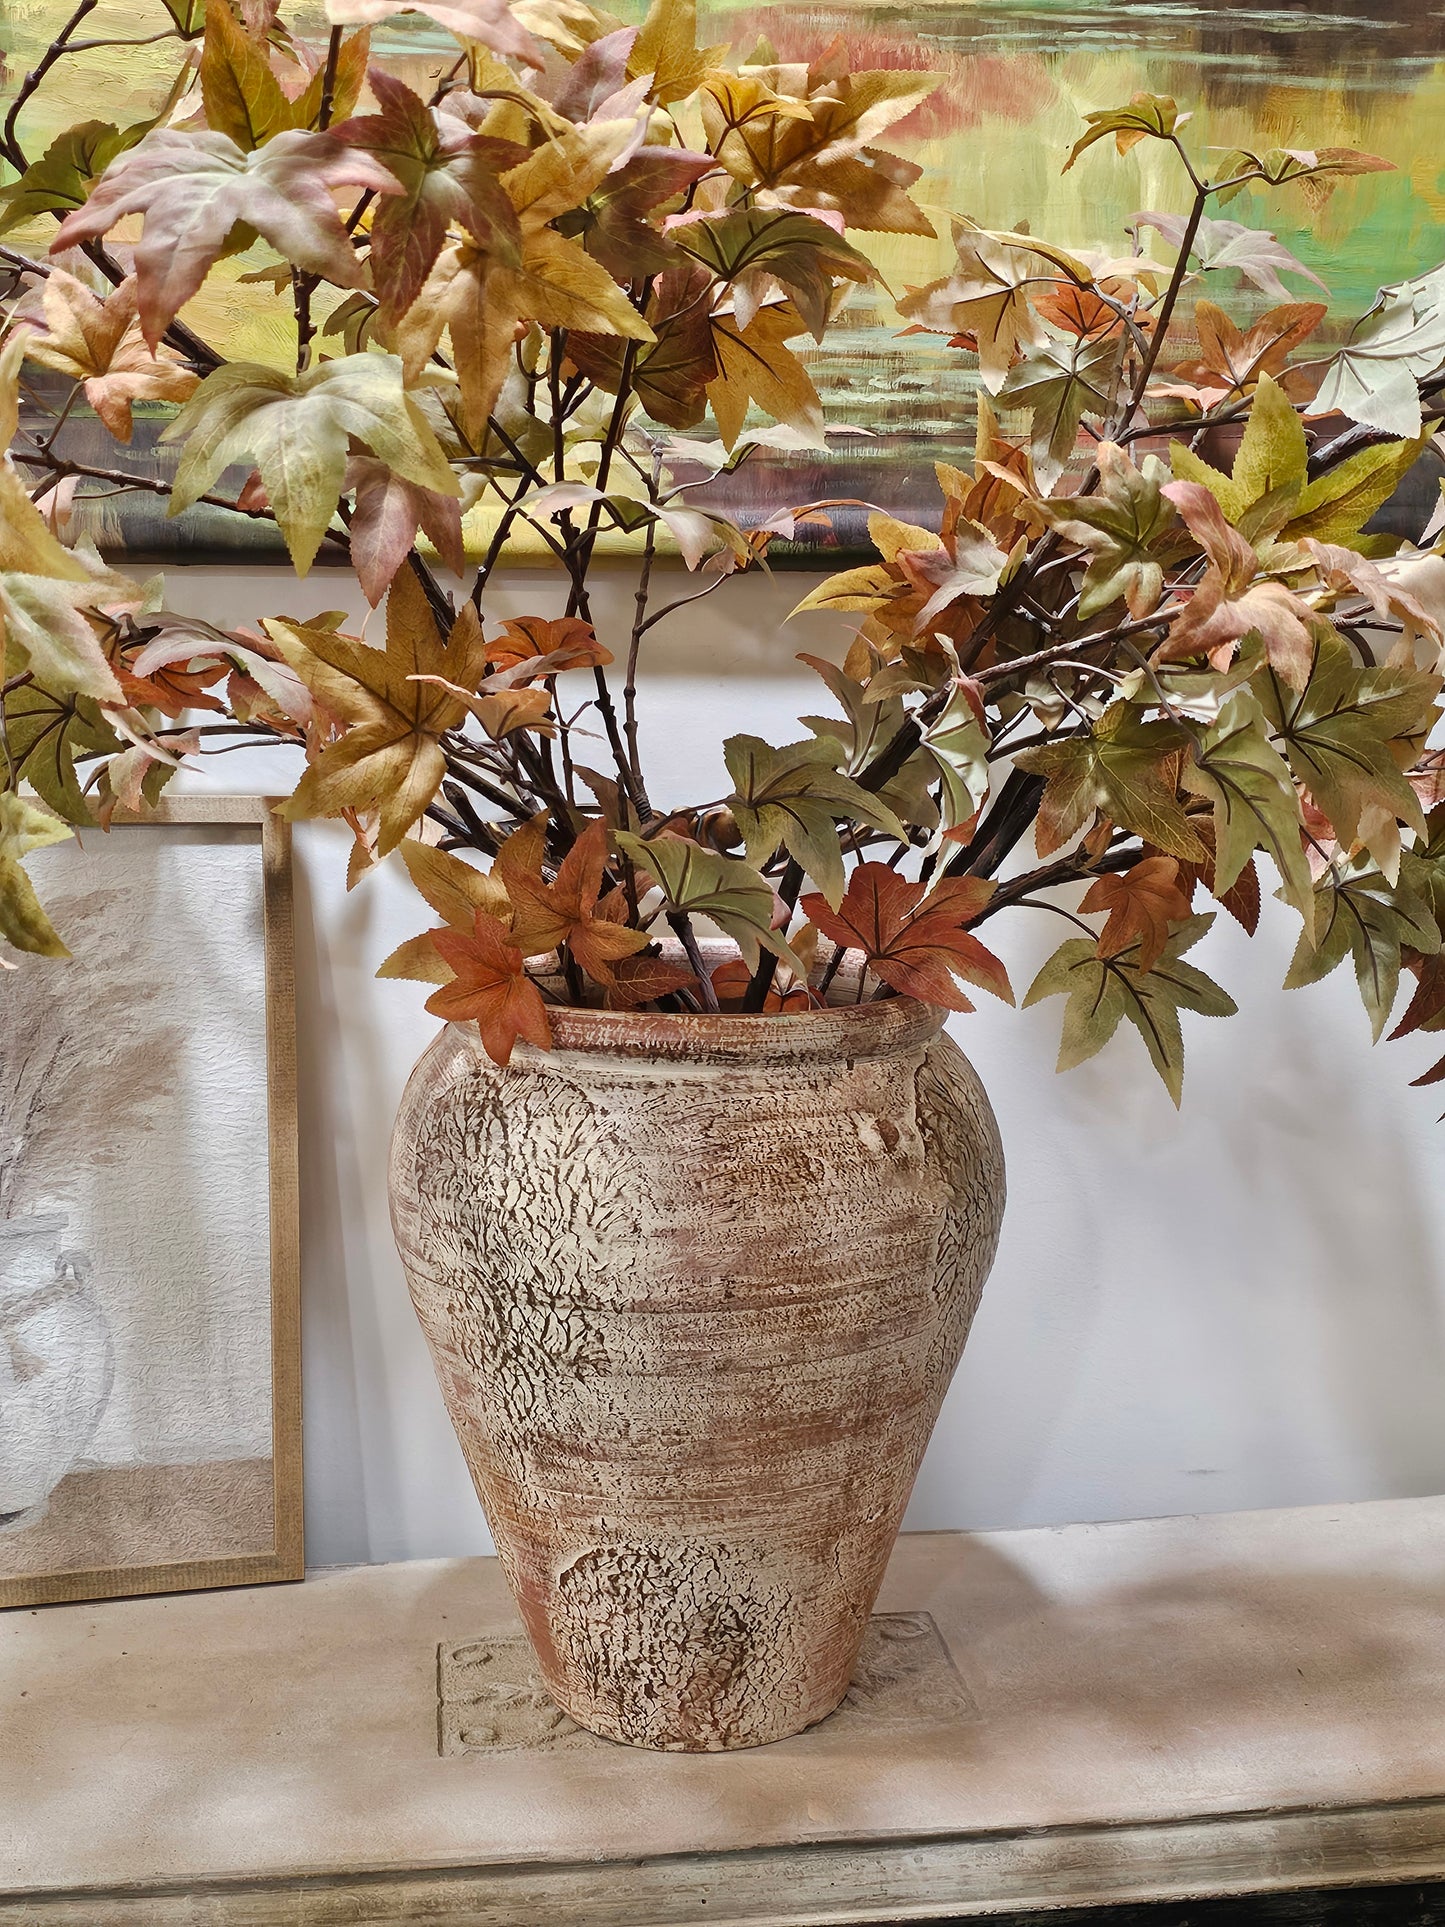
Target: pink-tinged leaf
{"points": [[204, 645], [384, 524], [489, 22], [1230, 600], [1258, 256], [560, 496], [193, 189], [619, 221], [598, 73], [695, 533], [447, 176]]}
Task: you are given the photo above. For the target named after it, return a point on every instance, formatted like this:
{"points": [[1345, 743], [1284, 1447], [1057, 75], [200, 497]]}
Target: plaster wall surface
{"points": [[1241, 1304]]}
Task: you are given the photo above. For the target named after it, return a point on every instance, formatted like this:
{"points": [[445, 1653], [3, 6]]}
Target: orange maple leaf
{"points": [[1142, 902], [491, 986], [566, 643], [565, 911], [1230, 600], [913, 938], [730, 980], [642, 980]]}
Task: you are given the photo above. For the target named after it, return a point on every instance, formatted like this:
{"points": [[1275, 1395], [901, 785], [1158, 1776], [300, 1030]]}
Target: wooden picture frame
{"points": [[285, 1557]]}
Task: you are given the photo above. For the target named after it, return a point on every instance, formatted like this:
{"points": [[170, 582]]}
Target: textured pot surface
{"points": [[695, 1288]]}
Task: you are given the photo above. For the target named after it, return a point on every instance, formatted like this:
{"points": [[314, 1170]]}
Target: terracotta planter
{"points": [[695, 1288]]}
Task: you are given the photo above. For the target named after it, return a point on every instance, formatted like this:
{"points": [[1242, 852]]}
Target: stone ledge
{"points": [[1176, 1707]]}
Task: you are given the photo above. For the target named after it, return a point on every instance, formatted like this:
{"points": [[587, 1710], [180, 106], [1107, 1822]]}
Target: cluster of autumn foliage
{"points": [[1152, 637]]}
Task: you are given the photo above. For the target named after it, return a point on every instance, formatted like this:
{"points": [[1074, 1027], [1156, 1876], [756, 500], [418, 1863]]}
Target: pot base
{"points": [[625, 1733]]}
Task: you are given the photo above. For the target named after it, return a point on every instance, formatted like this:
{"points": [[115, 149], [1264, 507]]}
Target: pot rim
{"points": [[834, 1032]]}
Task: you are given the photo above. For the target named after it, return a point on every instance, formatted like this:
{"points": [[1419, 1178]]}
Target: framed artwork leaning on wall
{"points": [[150, 1421]]}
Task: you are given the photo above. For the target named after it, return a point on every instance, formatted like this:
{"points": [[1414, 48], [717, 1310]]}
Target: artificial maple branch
{"points": [[58, 48]]}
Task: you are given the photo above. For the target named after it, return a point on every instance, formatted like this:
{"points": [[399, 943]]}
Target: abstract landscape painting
{"points": [[1015, 76], [139, 1403]]}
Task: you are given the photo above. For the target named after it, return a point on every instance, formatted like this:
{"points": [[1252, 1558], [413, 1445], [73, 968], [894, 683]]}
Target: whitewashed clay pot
{"points": [[57, 1365], [694, 1289]]}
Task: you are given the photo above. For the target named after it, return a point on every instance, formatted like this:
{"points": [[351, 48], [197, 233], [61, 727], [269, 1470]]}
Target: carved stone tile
{"points": [[490, 1696]]}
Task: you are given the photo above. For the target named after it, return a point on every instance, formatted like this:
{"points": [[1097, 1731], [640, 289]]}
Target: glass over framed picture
{"points": [[150, 1436]]}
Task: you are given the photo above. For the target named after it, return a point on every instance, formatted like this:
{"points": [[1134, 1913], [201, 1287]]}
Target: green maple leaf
{"points": [[297, 430], [62, 178], [448, 175], [1125, 767], [1256, 805], [793, 796], [189, 16], [749, 247], [1102, 992], [1422, 871], [871, 723], [1336, 505], [196, 190], [698, 881], [1120, 525], [1338, 731], [46, 734], [46, 592], [1359, 913], [241, 95], [1061, 382], [1374, 379], [22, 921], [1146, 115], [1267, 492], [1272, 457]]}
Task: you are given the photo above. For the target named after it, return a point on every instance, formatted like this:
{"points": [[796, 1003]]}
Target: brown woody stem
{"points": [[58, 48], [681, 924]]}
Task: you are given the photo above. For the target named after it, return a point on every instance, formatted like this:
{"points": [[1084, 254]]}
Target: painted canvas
{"points": [[1015, 77], [145, 1441]]}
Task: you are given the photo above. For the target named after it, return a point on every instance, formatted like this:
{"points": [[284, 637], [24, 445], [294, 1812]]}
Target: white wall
{"points": [[1242, 1304]]}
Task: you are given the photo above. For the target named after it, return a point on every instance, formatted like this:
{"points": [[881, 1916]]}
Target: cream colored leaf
{"points": [[565, 170], [99, 342], [297, 430]]}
